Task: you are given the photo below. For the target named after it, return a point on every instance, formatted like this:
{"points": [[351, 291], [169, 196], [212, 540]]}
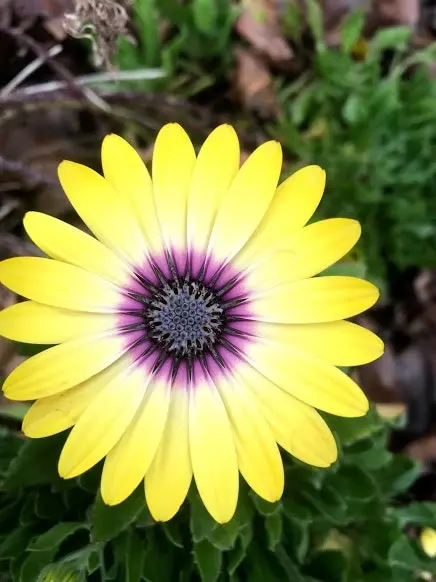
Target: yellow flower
{"points": [[428, 541], [192, 338]]}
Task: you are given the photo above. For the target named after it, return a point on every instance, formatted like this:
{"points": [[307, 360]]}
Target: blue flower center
{"points": [[184, 319]]}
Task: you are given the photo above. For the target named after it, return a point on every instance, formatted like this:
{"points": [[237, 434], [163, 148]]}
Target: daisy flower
{"points": [[192, 336]]}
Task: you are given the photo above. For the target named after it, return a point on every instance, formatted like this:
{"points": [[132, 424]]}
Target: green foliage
{"points": [[195, 55], [343, 524], [373, 128]]}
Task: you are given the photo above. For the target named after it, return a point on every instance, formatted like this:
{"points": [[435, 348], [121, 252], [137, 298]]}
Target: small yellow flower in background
{"points": [[192, 336], [428, 541]]}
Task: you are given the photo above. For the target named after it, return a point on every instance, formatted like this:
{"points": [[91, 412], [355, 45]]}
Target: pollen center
{"points": [[184, 319]]}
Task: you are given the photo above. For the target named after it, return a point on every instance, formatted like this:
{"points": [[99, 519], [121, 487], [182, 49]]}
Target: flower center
{"points": [[184, 319]]}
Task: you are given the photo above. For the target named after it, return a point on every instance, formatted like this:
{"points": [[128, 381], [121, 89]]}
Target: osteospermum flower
{"points": [[192, 338]]}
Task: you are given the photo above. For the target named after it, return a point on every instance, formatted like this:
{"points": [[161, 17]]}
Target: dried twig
{"points": [[83, 93], [95, 78], [31, 177], [27, 71]]}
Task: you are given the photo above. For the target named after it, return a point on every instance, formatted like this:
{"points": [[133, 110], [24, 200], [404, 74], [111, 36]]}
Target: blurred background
{"points": [[346, 84]]}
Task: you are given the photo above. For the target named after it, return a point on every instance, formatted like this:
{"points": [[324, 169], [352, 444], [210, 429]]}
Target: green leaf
{"points": [[235, 557], [90, 481], [53, 538], [60, 573], [296, 534], [418, 513], [36, 463], [224, 536], [205, 14], [172, 530], [159, 559], [395, 37], [35, 563], [406, 555], [351, 29], [108, 521], [315, 20], [27, 513], [354, 483], [399, 475], [274, 529], [135, 557], [330, 566], [49, 506], [330, 504], [202, 523], [16, 543], [263, 507], [208, 560]]}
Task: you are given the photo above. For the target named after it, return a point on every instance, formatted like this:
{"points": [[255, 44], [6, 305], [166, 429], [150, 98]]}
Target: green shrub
{"points": [[371, 124], [337, 525]]}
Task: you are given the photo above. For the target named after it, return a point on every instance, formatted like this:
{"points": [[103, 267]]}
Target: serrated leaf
{"points": [[53, 538], [296, 534], [90, 481], [27, 513], [330, 504], [36, 463], [201, 522], [331, 565], [224, 536], [208, 560], [108, 521], [235, 557], [265, 507], [274, 530], [60, 573], [159, 559], [94, 561], [354, 483], [399, 474], [418, 513], [172, 530], [49, 506], [394, 37], [34, 565], [406, 555], [351, 29], [16, 543], [135, 557]]}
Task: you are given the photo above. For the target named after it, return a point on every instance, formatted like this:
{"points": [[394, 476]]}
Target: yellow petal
{"points": [[59, 284], [310, 251], [103, 210], [309, 379], [246, 201], [295, 201], [124, 169], [217, 164], [63, 242], [36, 323], [428, 541], [62, 367], [54, 414], [126, 464], [317, 300], [259, 458], [297, 427], [340, 343], [213, 453], [168, 479], [173, 163], [103, 423]]}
